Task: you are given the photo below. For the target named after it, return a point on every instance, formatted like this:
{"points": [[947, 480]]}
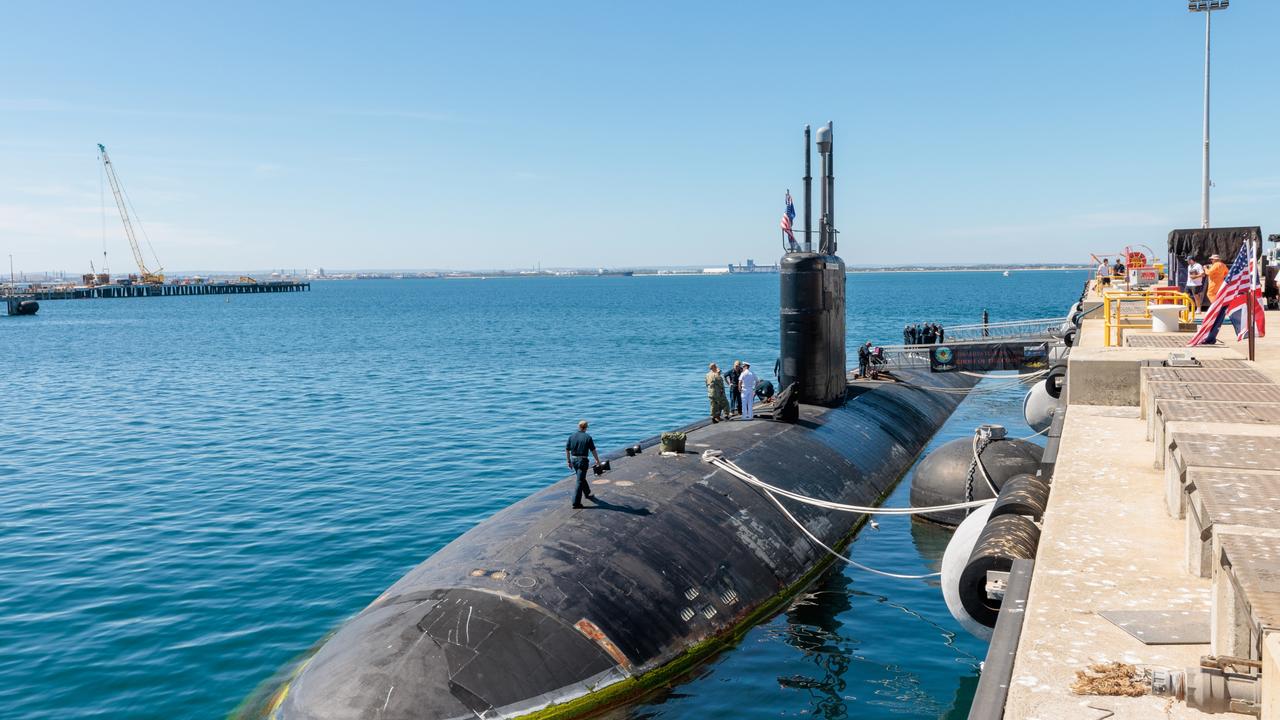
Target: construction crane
{"points": [[147, 275]]}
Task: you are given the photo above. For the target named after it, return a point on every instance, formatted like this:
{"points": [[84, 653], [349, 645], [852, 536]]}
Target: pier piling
{"points": [[134, 291]]}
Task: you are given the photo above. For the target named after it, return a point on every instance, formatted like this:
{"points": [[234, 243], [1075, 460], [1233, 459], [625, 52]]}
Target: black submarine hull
{"points": [[544, 611]]}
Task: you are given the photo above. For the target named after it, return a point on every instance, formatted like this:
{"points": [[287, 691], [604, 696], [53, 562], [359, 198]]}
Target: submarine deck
{"points": [[546, 609], [1108, 541]]}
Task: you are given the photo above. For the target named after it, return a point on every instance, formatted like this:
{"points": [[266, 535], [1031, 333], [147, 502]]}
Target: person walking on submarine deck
{"points": [[575, 454]]}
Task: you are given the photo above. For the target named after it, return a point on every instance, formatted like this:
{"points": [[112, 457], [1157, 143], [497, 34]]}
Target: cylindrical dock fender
{"points": [[1004, 539], [1040, 404], [1038, 408], [26, 307], [1022, 495], [942, 477], [1041, 401], [953, 563], [1056, 380]]}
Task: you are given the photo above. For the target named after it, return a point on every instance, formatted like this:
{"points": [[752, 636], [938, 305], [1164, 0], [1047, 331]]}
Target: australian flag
{"points": [[787, 216]]}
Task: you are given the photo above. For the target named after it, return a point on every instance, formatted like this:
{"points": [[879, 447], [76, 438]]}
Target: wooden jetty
{"points": [[167, 290]]}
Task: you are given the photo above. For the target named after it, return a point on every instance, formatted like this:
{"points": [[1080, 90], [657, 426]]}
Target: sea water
{"points": [[195, 490]]}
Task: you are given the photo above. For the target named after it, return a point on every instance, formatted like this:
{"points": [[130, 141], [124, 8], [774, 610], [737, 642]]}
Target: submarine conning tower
{"points": [[811, 315]]}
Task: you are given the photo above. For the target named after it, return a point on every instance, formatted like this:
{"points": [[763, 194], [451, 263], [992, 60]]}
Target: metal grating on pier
{"points": [[1158, 341], [1215, 393], [1191, 411], [1205, 375]]}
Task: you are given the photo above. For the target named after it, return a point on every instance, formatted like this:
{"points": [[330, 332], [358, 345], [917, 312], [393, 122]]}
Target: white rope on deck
{"points": [[1003, 377], [717, 459], [842, 556]]}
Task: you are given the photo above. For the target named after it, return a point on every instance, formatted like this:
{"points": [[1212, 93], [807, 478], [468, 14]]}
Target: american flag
{"points": [[787, 217], [1237, 289]]}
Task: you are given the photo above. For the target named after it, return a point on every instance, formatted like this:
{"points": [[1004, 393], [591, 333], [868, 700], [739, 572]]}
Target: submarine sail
{"points": [[811, 304]]}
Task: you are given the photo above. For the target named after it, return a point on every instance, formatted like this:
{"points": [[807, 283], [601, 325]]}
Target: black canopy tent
{"points": [[1200, 243]]}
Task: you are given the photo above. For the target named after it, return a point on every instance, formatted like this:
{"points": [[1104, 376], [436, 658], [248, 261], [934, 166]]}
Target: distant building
{"points": [[752, 267], [717, 271]]}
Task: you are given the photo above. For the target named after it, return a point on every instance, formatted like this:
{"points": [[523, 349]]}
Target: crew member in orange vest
{"points": [[1217, 272]]}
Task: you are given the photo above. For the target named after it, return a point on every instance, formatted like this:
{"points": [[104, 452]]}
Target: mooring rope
{"points": [[978, 447], [717, 459], [992, 387], [988, 375], [1034, 434], [842, 556]]}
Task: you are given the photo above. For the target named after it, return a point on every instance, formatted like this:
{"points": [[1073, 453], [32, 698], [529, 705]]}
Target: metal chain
{"points": [[983, 442]]}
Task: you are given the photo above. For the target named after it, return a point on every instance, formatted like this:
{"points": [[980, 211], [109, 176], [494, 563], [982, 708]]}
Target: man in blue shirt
{"points": [[575, 454], [735, 390]]}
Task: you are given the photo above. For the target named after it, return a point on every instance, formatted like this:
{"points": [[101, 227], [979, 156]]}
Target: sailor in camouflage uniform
{"points": [[715, 393]]}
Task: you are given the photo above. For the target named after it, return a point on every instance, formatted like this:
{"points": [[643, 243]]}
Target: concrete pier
{"points": [[1110, 542], [167, 290]]}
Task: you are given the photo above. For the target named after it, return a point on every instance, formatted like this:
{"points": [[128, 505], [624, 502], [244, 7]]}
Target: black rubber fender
{"points": [[1022, 495], [1003, 540], [1051, 384]]}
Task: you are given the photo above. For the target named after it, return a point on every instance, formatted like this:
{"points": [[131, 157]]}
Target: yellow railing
{"points": [[1116, 317]]}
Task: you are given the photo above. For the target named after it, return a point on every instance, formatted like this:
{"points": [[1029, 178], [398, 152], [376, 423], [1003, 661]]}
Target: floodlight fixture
{"points": [[1207, 5]]}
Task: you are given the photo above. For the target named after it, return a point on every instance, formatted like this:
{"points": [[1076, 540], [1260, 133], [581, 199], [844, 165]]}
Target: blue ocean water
{"points": [[195, 490]]}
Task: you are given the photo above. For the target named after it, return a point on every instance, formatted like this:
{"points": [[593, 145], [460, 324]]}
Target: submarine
{"points": [[544, 611]]}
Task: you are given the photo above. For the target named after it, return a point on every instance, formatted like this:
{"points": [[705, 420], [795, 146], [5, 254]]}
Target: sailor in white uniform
{"points": [[747, 381]]}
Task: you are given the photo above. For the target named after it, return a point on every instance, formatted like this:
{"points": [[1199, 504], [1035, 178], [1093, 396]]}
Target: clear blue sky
{"points": [[504, 134]]}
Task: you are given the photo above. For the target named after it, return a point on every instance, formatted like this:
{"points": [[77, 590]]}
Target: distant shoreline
{"points": [[58, 279], [1020, 268], [495, 275], [652, 272]]}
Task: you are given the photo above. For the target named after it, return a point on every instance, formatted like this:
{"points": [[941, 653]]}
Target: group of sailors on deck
{"points": [[922, 334], [743, 388]]}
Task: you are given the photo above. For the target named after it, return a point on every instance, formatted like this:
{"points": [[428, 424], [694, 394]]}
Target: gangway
{"points": [[1012, 329], [1019, 339]]}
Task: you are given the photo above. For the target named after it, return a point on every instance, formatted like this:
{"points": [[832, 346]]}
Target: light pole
{"points": [[1207, 7]]}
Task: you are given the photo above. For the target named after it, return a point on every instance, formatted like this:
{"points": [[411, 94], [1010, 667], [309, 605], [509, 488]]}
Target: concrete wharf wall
{"points": [[1110, 541]]}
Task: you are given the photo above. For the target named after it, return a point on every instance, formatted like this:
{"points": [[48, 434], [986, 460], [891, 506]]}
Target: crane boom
{"points": [[147, 275]]}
